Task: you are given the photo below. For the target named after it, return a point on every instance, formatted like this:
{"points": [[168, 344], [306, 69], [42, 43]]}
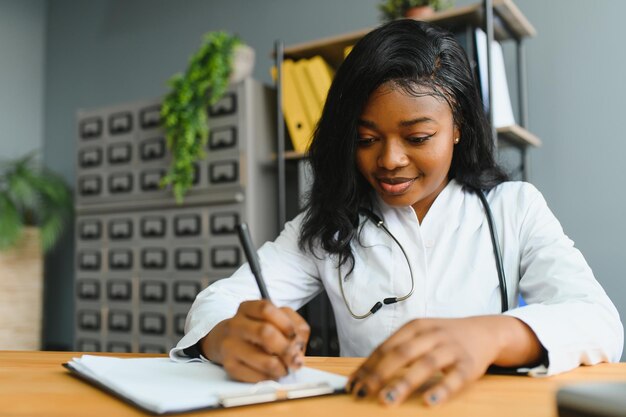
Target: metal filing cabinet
{"points": [[141, 258]]}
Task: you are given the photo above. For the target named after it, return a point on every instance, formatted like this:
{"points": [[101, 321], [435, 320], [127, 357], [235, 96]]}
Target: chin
{"points": [[402, 200]]}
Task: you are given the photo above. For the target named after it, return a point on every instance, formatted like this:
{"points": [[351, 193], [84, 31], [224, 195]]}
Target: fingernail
{"points": [[362, 392], [296, 361], [433, 398], [350, 386], [294, 351], [391, 396], [299, 362]]}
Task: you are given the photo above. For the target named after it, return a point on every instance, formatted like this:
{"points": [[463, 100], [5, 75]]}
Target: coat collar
{"points": [[446, 204]]}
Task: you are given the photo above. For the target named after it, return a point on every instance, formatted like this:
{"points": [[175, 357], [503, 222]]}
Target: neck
{"points": [[421, 207]]}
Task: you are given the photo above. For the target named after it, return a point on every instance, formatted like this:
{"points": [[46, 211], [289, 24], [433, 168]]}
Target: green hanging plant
{"points": [[395, 9], [184, 109], [31, 195]]}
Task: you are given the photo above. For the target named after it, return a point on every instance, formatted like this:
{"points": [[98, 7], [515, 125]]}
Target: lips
{"points": [[395, 185]]}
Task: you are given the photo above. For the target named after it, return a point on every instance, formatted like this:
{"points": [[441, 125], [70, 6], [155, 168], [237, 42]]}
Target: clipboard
{"points": [[161, 386]]}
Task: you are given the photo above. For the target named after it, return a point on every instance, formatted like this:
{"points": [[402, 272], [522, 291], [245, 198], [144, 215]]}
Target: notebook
{"points": [[162, 386]]}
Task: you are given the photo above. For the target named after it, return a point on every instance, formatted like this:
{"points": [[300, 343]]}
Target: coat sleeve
{"points": [[568, 310], [291, 277]]}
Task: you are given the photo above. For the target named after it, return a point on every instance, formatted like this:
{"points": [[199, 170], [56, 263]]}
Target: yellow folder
{"points": [[312, 106], [296, 117], [321, 76]]}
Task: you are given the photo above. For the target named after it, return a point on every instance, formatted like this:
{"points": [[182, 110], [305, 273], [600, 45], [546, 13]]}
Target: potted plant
{"points": [[221, 59], [415, 9], [35, 205]]}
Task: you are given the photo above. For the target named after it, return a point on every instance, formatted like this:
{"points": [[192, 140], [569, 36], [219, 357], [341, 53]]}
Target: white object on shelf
{"points": [[502, 109], [243, 63]]}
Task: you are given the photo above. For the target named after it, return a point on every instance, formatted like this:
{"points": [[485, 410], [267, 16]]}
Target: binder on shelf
{"points": [[296, 117], [321, 76], [312, 106]]}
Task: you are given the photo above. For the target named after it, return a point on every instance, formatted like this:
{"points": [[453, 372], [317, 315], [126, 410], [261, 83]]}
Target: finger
{"points": [[426, 367], [242, 372], [295, 358], [264, 335], [409, 342], [401, 336], [406, 333], [395, 360], [269, 337], [303, 331], [264, 310], [452, 382], [244, 355]]}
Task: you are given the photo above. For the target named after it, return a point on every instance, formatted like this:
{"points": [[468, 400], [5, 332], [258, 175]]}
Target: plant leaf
{"points": [[11, 225], [51, 229], [184, 108], [32, 196]]}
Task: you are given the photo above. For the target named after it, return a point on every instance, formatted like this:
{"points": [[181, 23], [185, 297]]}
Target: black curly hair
{"points": [[413, 55]]}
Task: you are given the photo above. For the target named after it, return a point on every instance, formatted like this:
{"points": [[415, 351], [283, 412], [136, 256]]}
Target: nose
{"points": [[392, 155]]}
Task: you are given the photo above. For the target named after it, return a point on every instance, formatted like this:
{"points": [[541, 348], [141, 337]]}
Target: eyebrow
{"points": [[403, 123]]}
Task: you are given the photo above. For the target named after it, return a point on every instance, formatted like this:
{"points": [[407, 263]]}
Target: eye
{"points": [[418, 140], [361, 141]]}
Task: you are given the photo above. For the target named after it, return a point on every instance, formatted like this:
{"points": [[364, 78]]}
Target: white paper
{"points": [[502, 109], [161, 385]]}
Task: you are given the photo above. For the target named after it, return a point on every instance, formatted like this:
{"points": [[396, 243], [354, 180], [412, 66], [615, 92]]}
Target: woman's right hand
{"points": [[260, 342]]}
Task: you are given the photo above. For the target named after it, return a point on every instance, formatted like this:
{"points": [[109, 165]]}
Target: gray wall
{"points": [[102, 52], [22, 26], [576, 93]]}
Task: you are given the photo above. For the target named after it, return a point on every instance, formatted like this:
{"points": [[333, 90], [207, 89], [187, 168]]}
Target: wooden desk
{"points": [[34, 384]]}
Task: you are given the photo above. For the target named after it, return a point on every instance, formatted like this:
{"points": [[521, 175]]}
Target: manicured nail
{"points": [[433, 398], [391, 396], [350, 386], [362, 392], [294, 350], [298, 361]]}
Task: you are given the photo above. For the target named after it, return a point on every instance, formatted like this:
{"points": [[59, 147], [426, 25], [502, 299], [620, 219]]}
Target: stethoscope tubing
{"points": [[378, 222], [497, 253]]}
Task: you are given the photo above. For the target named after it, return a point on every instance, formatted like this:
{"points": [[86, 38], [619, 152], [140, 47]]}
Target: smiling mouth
{"points": [[395, 186]]}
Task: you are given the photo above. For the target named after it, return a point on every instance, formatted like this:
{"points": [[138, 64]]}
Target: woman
{"points": [[403, 139]]}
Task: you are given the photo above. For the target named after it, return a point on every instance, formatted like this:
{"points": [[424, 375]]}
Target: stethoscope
{"points": [[392, 300]]}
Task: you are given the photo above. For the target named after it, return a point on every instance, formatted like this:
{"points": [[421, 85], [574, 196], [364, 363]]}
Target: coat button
{"points": [[429, 243]]}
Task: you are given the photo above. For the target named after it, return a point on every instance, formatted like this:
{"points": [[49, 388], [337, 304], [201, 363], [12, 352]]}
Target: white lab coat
{"points": [[455, 275]]}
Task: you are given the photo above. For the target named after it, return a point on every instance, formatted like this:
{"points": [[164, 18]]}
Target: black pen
{"points": [[255, 267]]}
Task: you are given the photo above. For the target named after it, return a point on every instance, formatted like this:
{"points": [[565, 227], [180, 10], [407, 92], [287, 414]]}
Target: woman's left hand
{"points": [[459, 349]]}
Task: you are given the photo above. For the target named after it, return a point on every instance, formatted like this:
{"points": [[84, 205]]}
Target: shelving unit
{"points": [[506, 23], [509, 24], [517, 135], [500, 19]]}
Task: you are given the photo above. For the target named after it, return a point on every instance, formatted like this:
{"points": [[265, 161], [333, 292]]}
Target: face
{"points": [[405, 146]]}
